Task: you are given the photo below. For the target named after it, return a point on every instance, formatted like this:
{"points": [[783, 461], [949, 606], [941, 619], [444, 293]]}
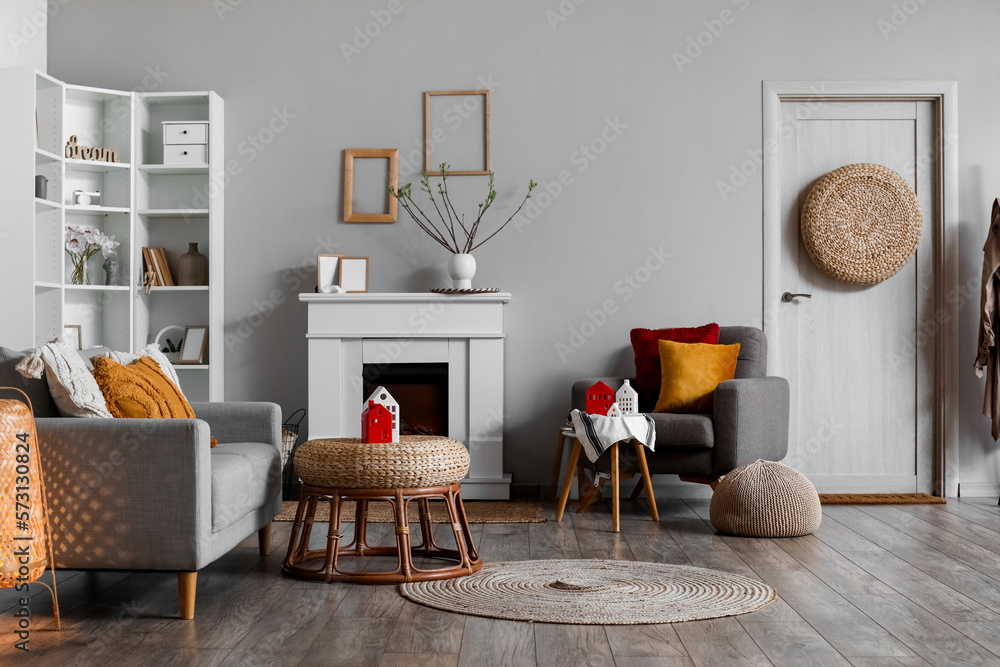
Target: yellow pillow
{"points": [[140, 390], [690, 372]]}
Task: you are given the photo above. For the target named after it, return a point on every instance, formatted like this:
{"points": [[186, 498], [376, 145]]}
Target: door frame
{"points": [[943, 96]]}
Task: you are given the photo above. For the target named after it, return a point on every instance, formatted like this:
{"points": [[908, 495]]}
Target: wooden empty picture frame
{"points": [[392, 178], [194, 346], [455, 117], [73, 335], [326, 272], [354, 274]]}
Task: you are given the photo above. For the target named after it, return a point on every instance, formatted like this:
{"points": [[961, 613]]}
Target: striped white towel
{"points": [[597, 433]]}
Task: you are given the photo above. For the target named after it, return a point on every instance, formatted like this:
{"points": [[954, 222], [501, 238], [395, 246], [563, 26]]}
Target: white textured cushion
{"points": [[151, 350], [73, 388]]}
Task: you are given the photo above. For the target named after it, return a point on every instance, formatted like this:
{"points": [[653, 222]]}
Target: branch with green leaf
{"points": [[451, 232]]}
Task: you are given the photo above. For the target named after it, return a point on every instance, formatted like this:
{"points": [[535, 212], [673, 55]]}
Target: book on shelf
{"points": [[160, 255], [147, 258]]}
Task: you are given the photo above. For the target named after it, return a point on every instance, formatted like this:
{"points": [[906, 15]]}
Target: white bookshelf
{"points": [[142, 203], [176, 205]]}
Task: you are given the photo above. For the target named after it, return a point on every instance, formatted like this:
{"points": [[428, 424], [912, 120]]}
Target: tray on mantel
{"points": [[471, 290]]}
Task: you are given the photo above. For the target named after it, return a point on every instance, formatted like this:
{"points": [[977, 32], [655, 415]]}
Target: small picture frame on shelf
{"points": [[73, 335], [354, 274], [326, 273], [195, 346], [391, 178]]}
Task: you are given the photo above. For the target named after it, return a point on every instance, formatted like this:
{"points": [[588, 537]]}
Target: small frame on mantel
{"points": [[392, 178], [462, 113], [354, 274], [73, 334], [326, 272]]}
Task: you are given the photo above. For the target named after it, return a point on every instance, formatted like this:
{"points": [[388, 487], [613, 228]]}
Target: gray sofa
{"points": [[151, 494], [750, 421]]}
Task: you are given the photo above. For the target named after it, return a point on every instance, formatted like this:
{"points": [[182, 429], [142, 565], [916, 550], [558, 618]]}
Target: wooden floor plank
{"points": [[596, 538], [720, 641], [493, 641], [928, 636], [423, 629], [350, 642], [418, 660], [794, 644], [571, 646], [645, 640], [504, 541]]}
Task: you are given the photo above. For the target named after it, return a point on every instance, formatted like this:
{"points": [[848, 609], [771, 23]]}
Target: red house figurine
{"points": [[376, 423], [600, 397]]}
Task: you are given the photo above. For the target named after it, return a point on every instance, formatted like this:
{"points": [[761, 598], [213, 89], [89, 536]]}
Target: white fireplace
{"points": [[348, 333]]}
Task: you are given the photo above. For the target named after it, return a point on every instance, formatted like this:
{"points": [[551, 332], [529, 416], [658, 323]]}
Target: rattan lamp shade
{"points": [[861, 223], [25, 542], [765, 499]]}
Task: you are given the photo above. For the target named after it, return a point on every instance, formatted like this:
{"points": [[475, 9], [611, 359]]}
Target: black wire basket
{"points": [[289, 440]]}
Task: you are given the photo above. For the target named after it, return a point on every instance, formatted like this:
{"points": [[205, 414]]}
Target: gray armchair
{"points": [[750, 421], [151, 494]]}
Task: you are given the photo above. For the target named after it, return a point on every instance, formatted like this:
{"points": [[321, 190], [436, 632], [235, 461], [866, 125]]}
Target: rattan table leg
{"points": [[464, 520], [403, 537], [361, 525], [311, 500], [332, 537], [426, 530], [296, 528]]}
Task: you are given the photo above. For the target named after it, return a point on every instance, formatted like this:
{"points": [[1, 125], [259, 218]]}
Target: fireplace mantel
{"points": [[347, 331]]}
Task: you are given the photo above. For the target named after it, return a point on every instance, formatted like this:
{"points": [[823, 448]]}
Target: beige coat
{"points": [[989, 322]]}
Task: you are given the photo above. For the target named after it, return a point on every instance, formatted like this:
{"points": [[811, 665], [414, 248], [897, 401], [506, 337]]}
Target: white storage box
{"points": [[185, 154], [186, 132]]}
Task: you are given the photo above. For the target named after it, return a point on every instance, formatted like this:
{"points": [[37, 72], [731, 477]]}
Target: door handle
{"points": [[787, 297]]}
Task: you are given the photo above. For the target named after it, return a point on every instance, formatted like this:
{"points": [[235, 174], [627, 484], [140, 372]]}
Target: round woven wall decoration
{"points": [[861, 223], [599, 592]]}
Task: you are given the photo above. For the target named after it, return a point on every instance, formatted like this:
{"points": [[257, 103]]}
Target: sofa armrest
{"points": [[242, 422], [578, 395], [127, 493], [751, 422]]}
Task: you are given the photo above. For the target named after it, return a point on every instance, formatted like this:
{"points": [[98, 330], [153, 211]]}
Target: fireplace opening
{"points": [[421, 391]]}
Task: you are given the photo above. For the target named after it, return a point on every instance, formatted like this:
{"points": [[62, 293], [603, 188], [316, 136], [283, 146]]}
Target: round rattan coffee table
{"points": [[418, 467]]}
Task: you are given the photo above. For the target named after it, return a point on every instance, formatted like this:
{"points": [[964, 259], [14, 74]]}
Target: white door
{"points": [[862, 388]]}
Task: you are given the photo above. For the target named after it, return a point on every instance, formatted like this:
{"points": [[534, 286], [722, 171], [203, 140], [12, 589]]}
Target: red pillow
{"points": [[647, 350]]}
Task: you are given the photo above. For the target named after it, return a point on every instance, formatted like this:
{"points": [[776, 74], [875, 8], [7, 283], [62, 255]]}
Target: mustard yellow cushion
{"points": [[690, 372], [140, 390]]}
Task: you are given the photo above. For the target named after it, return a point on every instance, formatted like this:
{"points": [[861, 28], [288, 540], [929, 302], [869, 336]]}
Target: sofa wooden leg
{"points": [[187, 583], [264, 539]]}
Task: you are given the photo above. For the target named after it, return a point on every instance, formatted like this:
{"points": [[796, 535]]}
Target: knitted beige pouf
{"points": [[766, 499]]}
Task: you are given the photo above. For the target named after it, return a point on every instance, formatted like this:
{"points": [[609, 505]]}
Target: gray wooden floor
{"points": [[916, 585]]}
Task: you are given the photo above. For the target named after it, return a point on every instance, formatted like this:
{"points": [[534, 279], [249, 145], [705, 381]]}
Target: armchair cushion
{"points": [[680, 431], [691, 372], [647, 353]]}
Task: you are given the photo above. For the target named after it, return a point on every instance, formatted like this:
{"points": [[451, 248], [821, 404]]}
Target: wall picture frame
{"points": [[195, 346], [73, 334], [354, 274], [327, 273], [392, 178], [432, 135]]}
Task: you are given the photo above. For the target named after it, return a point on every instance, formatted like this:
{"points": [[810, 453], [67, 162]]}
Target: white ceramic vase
{"points": [[461, 268]]}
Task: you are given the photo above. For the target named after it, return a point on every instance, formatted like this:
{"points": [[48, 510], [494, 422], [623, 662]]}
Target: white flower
{"points": [[108, 246]]}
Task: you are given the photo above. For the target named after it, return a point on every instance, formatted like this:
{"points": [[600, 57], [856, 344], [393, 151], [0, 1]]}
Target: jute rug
{"points": [[880, 499], [493, 511], [594, 592]]}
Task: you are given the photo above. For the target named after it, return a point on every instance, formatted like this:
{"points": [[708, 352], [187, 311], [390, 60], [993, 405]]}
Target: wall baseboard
{"points": [[978, 489]]}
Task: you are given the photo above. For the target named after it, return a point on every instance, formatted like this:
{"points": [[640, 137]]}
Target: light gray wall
{"points": [[25, 35], [558, 82]]}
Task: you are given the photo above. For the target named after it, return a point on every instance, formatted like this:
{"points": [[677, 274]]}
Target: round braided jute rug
{"points": [[594, 592], [861, 223]]}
